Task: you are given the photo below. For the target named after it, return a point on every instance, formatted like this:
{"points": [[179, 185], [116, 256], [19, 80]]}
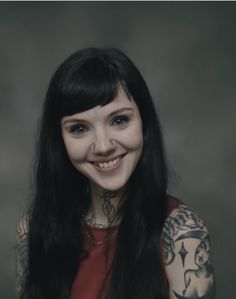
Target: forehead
{"points": [[120, 102]]}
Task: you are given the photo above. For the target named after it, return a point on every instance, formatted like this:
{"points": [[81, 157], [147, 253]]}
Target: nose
{"points": [[103, 144]]}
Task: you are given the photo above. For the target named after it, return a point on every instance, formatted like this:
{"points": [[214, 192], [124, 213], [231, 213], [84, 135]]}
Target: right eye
{"points": [[78, 129]]}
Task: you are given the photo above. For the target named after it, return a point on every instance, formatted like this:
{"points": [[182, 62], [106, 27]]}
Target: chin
{"points": [[112, 186]]}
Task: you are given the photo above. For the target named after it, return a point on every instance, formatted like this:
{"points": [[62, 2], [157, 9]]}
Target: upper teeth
{"points": [[109, 163]]}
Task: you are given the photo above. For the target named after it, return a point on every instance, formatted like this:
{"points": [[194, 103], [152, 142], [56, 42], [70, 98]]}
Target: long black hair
{"points": [[88, 78]]}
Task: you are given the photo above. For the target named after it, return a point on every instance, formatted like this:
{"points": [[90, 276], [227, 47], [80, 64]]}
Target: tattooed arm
{"points": [[21, 253], [187, 252]]}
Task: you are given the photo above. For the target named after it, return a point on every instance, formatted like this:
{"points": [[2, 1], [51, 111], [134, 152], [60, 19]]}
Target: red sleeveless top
{"points": [[95, 265]]}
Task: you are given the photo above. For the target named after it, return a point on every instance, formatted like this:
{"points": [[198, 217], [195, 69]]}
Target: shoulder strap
{"points": [[172, 204]]}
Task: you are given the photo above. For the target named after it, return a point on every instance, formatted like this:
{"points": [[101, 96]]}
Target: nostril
{"points": [[113, 141], [103, 146]]}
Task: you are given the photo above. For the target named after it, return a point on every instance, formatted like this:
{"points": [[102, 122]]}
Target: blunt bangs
{"points": [[85, 86]]}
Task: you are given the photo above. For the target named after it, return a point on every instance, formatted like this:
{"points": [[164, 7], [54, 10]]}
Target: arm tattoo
{"points": [[21, 253], [183, 252], [184, 225], [200, 279], [199, 282], [209, 295], [184, 220]]}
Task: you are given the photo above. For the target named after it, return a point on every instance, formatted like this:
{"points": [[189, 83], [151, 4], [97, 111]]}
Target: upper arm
{"points": [[21, 252], [188, 256]]}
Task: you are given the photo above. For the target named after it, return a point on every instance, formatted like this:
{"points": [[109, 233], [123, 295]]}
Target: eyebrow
{"points": [[74, 119]]}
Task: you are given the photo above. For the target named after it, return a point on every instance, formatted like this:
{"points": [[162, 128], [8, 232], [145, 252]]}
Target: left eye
{"points": [[120, 120]]}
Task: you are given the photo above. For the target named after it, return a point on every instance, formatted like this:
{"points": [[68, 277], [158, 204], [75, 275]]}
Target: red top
{"points": [[93, 268]]}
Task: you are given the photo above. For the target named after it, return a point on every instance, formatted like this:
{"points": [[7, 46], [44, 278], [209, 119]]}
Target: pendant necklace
{"points": [[91, 238]]}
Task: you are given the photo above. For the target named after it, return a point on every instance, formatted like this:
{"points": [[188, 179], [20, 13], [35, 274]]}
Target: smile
{"points": [[107, 165]]}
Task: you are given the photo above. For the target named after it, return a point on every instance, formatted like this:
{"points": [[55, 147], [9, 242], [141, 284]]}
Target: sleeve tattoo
{"points": [[187, 256], [21, 253]]}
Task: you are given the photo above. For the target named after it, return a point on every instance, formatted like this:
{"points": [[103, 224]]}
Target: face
{"points": [[202, 253], [105, 142]]}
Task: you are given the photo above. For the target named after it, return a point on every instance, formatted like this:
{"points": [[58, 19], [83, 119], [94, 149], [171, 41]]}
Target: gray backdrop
{"points": [[186, 52]]}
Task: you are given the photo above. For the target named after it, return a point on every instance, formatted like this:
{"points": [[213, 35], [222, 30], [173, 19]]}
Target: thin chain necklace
{"points": [[91, 238]]}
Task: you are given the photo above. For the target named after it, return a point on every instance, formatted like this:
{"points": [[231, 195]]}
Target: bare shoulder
{"points": [[188, 255]]}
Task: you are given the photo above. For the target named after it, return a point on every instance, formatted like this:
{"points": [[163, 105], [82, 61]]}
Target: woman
{"points": [[101, 224]]}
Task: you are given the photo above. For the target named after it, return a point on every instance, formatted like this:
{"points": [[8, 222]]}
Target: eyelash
{"points": [[76, 129], [118, 121]]}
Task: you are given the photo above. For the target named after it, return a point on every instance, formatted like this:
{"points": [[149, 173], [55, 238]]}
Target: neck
{"points": [[104, 207]]}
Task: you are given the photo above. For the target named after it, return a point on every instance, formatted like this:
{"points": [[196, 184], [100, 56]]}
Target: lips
{"points": [[109, 164]]}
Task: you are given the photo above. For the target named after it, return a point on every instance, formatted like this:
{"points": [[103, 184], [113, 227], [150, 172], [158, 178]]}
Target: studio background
{"points": [[186, 53]]}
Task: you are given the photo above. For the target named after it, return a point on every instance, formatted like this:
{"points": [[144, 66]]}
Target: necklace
{"points": [[91, 238]]}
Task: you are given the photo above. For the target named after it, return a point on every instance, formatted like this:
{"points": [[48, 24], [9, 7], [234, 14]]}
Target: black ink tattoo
{"points": [[92, 222], [209, 295], [184, 225], [183, 252], [183, 220], [21, 253], [107, 206], [200, 280]]}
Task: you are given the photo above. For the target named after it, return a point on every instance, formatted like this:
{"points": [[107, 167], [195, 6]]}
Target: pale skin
{"points": [[102, 212], [94, 139], [186, 260], [105, 144], [188, 256], [197, 280]]}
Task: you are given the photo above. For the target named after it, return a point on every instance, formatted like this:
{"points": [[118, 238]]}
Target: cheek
{"points": [[133, 138], [76, 150]]}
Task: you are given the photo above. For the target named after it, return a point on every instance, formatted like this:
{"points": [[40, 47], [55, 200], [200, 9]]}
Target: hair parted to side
{"points": [[88, 78]]}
